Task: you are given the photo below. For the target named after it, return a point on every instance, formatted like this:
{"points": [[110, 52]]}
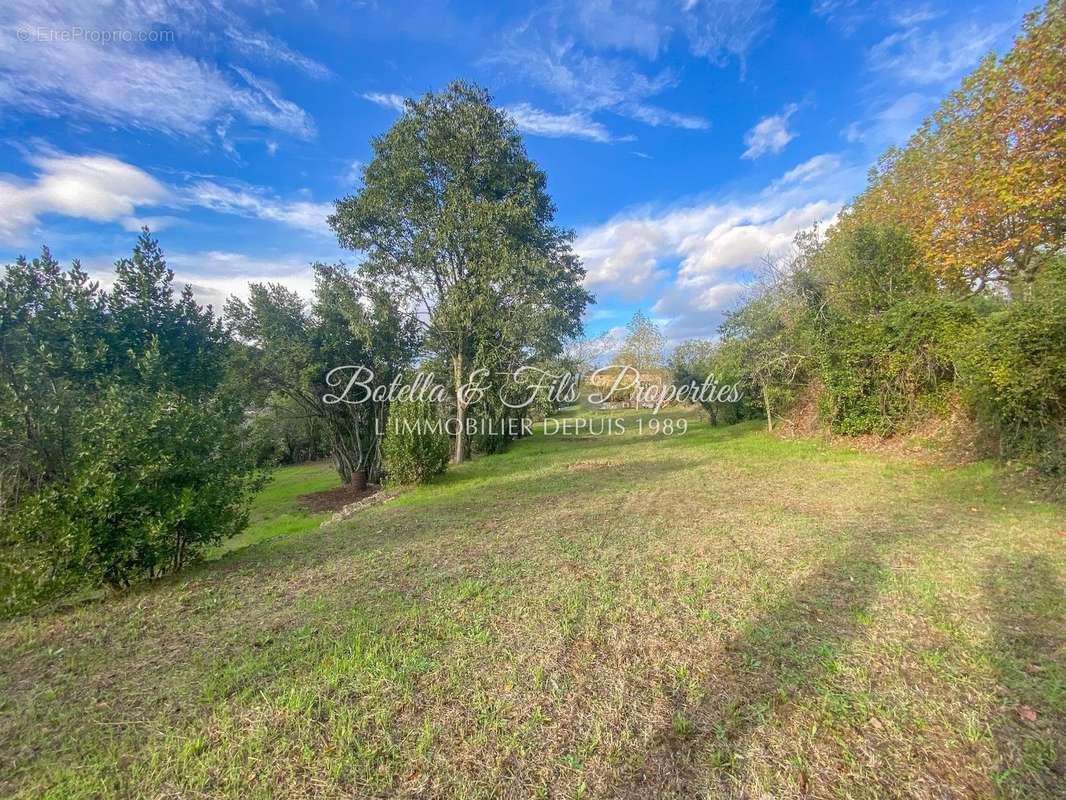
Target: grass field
{"points": [[276, 512], [719, 614]]}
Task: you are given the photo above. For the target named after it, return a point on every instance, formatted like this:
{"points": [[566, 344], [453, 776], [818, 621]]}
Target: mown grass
{"points": [[720, 614], [275, 510]]}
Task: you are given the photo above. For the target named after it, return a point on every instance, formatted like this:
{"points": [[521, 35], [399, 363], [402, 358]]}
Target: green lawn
{"points": [[275, 511], [720, 614]]}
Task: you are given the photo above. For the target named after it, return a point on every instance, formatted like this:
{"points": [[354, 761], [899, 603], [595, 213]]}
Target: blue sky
{"points": [[683, 140]]}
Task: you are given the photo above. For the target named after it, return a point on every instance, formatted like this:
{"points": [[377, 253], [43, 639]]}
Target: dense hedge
{"points": [[122, 454], [413, 450]]}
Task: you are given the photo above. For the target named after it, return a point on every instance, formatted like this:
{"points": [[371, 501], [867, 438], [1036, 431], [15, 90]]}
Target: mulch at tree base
{"points": [[335, 499]]}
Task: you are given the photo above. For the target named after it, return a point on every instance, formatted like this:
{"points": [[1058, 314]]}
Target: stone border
{"points": [[352, 509]]}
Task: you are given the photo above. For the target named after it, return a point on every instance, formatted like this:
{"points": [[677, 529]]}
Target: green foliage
{"points": [[860, 317], [454, 217], [644, 344], [291, 349], [879, 371], [280, 432], [414, 451], [1015, 371], [156, 479], [945, 277], [699, 361], [122, 456]]}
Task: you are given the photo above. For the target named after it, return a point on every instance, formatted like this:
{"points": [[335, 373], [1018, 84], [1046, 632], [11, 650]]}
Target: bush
{"points": [[1015, 372], [155, 480], [414, 448], [881, 371]]}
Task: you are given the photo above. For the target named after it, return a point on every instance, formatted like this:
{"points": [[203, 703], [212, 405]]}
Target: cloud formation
{"points": [[696, 260], [97, 188], [770, 134], [931, 56], [135, 84], [584, 58], [543, 123], [386, 100], [258, 203], [101, 188]]}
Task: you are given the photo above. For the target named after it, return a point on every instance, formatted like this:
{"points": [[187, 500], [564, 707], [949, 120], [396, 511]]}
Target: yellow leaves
{"points": [[983, 182]]}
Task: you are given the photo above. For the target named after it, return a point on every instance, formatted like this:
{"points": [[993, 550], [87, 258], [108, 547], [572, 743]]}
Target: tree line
{"points": [[136, 425], [941, 288]]}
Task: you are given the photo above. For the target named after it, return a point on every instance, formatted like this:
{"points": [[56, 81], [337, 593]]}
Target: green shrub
{"points": [[1014, 373], [414, 449], [156, 478], [882, 370]]}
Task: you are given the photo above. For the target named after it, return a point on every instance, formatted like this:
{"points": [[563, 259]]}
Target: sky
{"points": [[683, 141]]}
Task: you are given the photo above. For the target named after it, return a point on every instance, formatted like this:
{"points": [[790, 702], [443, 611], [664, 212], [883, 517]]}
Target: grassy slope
{"points": [[722, 613], [275, 511]]}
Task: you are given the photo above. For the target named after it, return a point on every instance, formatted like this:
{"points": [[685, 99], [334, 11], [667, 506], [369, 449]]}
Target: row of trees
{"points": [[135, 425], [942, 285]]}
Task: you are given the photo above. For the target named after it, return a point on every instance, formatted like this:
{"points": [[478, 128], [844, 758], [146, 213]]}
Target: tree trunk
{"points": [[459, 454], [766, 403]]}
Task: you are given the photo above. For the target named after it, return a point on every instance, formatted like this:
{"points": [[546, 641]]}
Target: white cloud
{"points": [[354, 173], [264, 46], [223, 273], [217, 275], [924, 57], [97, 188], [770, 134], [696, 259], [130, 84], [892, 124], [258, 203], [272, 110], [745, 236], [716, 29], [633, 26], [812, 168], [543, 123], [726, 29], [652, 115], [551, 49], [102, 189], [393, 101], [622, 256]]}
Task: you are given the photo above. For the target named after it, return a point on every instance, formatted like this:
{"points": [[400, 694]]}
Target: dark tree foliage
{"points": [[120, 455], [455, 219], [289, 349]]}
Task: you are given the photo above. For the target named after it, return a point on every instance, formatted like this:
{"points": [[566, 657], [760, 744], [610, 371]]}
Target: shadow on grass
{"points": [[1028, 606], [779, 657]]}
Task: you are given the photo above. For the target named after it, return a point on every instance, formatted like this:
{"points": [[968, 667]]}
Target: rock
{"points": [[354, 508]]}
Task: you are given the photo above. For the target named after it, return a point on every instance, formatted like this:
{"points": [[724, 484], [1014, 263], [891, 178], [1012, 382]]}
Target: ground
{"points": [[718, 614]]}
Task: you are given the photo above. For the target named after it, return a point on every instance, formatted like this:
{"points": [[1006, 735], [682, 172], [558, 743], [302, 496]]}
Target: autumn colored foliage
{"points": [[981, 187], [942, 287]]}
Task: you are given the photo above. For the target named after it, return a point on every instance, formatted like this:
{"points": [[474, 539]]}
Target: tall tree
{"points": [[454, 217], [644, 346], [291, 349], [981, 186]]}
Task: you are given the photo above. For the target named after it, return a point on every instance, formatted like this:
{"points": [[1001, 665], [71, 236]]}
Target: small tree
{"points": [[644, 345], [643, 349], [415, 448]]}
